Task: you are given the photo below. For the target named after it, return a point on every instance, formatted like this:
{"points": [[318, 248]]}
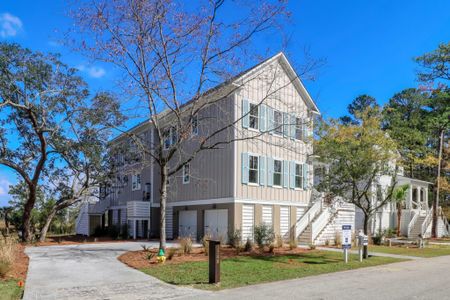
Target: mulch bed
{"points": [[139, 260], [20, 266]]}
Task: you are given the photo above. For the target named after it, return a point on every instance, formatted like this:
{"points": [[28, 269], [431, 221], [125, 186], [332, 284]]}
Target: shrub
{"points": [[337, 238], [248, 245], [145, 248], [124, 231], [7, 254], [170, 253], [113, 232], [279, 241], [271, 248], [327, 242], [235, 238], [312, 246], [293, 244], [150, 255], [264, 235], [205, 243], [186, 245], [99, 231]]}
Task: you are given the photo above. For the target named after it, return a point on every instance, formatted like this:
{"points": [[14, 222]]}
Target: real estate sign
{"points": [[346, 236]]}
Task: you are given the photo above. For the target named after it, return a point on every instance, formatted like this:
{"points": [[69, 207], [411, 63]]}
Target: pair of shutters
{"points": [[287, 171], [267, 122]]}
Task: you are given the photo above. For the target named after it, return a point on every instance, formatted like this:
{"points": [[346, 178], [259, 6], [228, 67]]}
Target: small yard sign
{"points": [[346, 236]]}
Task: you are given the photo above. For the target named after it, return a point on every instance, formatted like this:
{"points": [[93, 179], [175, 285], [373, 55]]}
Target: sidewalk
{"points": [[370, 253]]}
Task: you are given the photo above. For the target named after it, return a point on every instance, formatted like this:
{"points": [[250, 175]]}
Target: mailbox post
{"points": [[346, 240], [363, 241], [214, 261]]}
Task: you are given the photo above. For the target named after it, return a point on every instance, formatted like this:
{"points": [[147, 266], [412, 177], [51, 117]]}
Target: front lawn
{"points": [[10, 290], [428, 251], [246, 270]]}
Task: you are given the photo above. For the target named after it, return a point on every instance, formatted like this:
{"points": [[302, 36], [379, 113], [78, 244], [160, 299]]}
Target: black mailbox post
{"points": [[214, 261]]}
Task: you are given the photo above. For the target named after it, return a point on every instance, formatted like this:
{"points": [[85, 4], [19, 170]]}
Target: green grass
{"points": [[244, 270], [9, 290], [428, 251]]}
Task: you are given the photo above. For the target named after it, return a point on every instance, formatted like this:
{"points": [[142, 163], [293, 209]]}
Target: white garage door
{"points": [[248, 220], [284, 221], [188, 224], [267, 215], [216, 223]]}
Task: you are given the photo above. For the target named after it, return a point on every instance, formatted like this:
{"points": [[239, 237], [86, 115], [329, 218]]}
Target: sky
{"points": [[368, 46]]}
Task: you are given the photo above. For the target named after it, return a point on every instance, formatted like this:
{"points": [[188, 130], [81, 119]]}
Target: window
{"points": [[298, 129], [194, 124], [170, 137], [136, 182], [278, 122], [254, 115], [298, 176], [277, 170], [253, 169], [167, 139], [186, 173]]}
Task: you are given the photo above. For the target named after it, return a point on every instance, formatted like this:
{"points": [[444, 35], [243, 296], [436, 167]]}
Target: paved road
{"points": [[418, 279], [92, 271]]}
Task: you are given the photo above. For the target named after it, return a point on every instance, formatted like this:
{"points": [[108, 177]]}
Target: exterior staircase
{"points": [[417, 228]]}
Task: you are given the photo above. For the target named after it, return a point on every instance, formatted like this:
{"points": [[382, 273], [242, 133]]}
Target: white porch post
{"points": [[410, 191], [419, 198], [426, 197], [134, 229]]}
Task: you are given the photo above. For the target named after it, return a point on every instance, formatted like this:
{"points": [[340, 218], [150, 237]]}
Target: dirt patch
{"points": [[20, 266], [79, 239], [145, 259]]}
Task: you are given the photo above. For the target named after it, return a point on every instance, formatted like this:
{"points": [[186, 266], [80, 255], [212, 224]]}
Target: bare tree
{"points": [[171, 53]]}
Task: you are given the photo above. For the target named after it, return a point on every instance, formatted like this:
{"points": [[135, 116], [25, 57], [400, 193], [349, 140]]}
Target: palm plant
{"points": [[399, 197]]}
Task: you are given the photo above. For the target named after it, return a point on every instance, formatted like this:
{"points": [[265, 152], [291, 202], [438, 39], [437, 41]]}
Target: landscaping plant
{"points": [[235, 238], [279, 241], [293, 244], [7, 250], [248, 245], [205, 242], [186, 245], [264, 235]]}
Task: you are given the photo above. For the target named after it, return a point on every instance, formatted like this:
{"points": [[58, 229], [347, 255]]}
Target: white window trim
{"points": [[250, 116], [281, 173], [301, 188], [273, 130], [257, 170], [194, 132], [135, 183], [188, 175]]}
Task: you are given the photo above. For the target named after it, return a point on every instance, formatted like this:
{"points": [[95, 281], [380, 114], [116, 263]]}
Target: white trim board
{"points": [[233, 200]]}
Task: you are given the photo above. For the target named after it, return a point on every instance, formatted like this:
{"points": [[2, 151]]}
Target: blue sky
{"points": [[368, 45]]}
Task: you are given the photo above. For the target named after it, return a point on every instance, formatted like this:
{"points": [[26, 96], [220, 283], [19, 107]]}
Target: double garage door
{"points": [[215, 223]]}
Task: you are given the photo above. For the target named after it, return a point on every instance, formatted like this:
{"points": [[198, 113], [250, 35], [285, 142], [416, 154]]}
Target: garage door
{"points": [[188, 224], [267, 215], [216, 223], [248, 219], [284, 221]]}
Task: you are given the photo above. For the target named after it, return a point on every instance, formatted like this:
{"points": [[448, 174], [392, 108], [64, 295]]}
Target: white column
{"points": [[426, 197], [410, 191], [419, 198], [134, 229]]}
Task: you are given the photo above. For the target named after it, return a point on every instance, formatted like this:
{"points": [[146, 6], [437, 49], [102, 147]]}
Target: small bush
{"points": [[205, 243], [170, 253], [248, 245], [337, 238], [264, 235], [293, 244], [327, 242], [186, 245], [271, 248], [99, 231], [150, 255], [113, 232], [312, 247], [145, 248], [235, 238], [124, 231], [7, 253], [279, 241]]}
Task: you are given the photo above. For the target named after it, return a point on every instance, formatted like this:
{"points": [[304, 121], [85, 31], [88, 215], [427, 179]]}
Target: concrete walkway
{"points": [[92, 271], [372, 253]]}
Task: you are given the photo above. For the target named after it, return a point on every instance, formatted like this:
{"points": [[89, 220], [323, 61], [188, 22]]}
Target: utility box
{"points": [[214, 261]]}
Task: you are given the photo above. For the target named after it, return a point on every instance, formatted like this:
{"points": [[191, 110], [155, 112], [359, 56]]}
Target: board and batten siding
{"points": [[268, 145]]}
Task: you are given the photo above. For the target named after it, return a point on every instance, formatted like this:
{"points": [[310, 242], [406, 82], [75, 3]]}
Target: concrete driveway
{"points": [[92, 271]]}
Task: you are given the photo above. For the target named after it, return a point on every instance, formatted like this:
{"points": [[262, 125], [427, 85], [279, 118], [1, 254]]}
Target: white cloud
{"points": [[4, 187], [9, 25], [92, 71]]}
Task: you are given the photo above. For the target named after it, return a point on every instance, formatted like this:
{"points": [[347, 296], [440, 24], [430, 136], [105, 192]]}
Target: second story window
{"points": [[186, 173], [136, 182], [277, 171], [277, 122], [253, 169], [194, 125], [170, 137], [254, 116], [299, 129], [298, 176]]}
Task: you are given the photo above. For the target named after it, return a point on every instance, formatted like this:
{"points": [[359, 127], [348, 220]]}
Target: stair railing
{"points": [[412, 222], [308, 217], [426, 223]]}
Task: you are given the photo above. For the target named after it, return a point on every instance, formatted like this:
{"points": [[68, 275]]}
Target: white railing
{"points": [[308, 217], [138, 209], [320, 222], [444, 219], [412, 222], [426, 223]]}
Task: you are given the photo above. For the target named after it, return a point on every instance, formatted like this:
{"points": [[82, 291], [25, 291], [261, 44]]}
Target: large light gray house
{"points": [[264, 175]]}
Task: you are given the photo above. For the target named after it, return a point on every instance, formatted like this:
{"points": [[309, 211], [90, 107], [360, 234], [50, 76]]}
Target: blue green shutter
{"points": [[285, 178], [269, 171], [262, 170], [245, 113], [305, 176], [285, 124], [245, 168], [262, 117], [270, 125], [292, 174]]}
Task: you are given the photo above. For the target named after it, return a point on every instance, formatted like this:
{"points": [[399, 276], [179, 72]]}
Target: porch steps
{"points": [[417, 228]]}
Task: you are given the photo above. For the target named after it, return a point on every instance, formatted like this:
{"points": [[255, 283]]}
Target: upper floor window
{"points": [[298, 176], [277, 171], [299, 128], [277, 122], [170, 137], [186, 173], [136, 182], [253, 169], [254, 116], [194, 125]]}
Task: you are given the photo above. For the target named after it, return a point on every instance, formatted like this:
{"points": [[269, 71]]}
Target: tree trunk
{"points": [[434, 227], [162, 206], [399, 218], [49, 220], [27, 233], [366, 232]]}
